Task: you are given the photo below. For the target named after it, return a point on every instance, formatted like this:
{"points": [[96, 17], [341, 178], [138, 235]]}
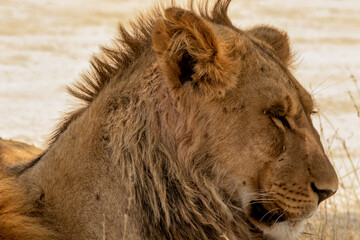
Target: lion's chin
{"points": [[276, 225], [287, 230]]}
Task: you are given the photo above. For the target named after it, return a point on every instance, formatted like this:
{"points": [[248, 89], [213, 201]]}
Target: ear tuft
{"points": [[188, 50], [277, 39]]}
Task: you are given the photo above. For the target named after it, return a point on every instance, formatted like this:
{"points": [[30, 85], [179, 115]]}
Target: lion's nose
{"points": [[322, 193]]}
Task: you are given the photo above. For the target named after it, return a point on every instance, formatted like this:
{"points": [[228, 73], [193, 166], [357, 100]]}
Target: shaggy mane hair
{"points": [[127, 48], [18, 218]]}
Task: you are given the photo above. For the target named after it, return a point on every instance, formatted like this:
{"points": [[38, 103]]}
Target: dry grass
{"points": [[339, 216]]}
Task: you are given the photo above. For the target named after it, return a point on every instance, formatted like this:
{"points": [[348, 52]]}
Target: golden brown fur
{"points": [[193, 129], [14, 152], [17, 218]]}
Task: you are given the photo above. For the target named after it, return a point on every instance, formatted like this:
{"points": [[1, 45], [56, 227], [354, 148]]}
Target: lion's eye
{"points": [[283, 121], [278, 118]]}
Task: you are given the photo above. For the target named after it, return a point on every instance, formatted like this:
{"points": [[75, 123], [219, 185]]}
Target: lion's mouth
{"points": [[259, 213]]}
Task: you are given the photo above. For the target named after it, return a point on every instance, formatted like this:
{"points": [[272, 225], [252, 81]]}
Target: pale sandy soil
{"points": [[46, 44]]}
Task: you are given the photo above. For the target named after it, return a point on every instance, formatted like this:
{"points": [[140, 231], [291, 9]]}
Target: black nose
{"points": [[322, 193]]}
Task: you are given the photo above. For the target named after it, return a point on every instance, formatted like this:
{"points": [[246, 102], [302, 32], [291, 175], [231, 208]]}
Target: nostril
{"points": [[322, 193]]}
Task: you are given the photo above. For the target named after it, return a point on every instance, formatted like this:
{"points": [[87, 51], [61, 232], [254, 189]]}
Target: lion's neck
{"points": [[173, 199]]}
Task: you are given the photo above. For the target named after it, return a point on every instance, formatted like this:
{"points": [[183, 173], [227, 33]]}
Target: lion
{"points": [[192, 128], [15, 152]]}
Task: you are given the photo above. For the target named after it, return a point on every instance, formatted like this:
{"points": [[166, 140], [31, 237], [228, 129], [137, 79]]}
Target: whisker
{"points": [[252, 203], [321, 86], [265, 194], [265, 200], [262, 193], [275, 209], [280, 216], [313, 93], [256, 202]]}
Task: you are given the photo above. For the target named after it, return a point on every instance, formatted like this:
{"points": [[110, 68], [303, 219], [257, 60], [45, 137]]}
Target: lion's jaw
{"points": [[287, 230], [281, 228]]}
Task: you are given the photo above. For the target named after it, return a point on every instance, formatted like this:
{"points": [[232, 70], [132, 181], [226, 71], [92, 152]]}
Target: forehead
{"points": [[263, 78]]}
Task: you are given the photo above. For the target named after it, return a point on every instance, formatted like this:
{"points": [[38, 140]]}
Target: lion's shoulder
{"points": [[17, 220], [14, 152]]}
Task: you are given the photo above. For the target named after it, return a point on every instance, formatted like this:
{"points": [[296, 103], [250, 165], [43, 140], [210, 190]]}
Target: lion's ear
{"points": [[190, 55], [277, 39]]}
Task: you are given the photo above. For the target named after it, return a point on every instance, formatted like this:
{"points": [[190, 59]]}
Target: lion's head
{"points": [[245, 114]]}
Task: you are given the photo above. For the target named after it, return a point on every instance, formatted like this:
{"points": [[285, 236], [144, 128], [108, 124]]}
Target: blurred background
{"points": [[46, 45]]}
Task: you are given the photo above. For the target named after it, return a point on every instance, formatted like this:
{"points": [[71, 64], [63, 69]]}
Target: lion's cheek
{"points": [[268, 141]]}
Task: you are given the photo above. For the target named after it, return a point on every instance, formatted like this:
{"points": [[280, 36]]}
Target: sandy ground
{"points": [[46, 44]]}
